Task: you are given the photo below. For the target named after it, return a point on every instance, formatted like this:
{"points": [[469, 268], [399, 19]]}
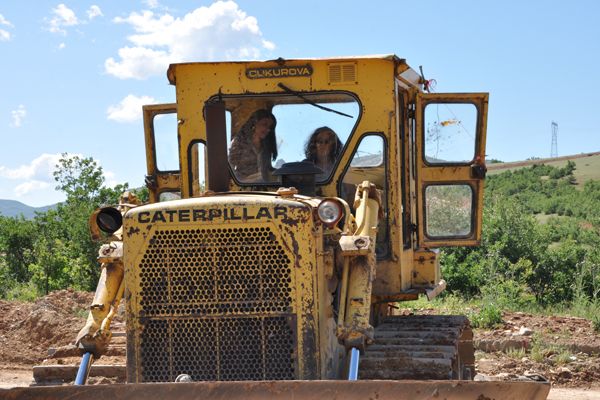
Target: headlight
{"points": [[109, 220], [330, 211]]}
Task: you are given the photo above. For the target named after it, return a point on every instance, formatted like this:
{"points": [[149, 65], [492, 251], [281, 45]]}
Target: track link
{"points": [[420, 347]]}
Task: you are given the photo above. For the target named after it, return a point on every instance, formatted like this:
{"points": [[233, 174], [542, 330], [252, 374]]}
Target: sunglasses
{"points": [[325, 141]]}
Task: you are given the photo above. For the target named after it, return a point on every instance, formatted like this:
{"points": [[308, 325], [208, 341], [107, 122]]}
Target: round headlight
{"points": [[109, 220], [330, 212]]}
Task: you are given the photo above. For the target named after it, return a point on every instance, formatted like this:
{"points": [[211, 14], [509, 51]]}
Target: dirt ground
{"points": [[564, 350], [28, 330]]}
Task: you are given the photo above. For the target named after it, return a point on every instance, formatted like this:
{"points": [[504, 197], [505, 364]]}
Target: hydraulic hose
{"points": [[84, 369], [353, 368]]}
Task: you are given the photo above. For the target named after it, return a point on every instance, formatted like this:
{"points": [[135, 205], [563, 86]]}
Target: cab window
{"points": [[448, 210], [450, 130], [166, 145], [266, 132], [369, 164]]}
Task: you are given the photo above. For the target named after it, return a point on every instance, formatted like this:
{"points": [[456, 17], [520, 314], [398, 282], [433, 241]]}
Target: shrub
{"points": [[552, 278], [23, 292], [509, 294], [489, 316], [596, 322], [514, 353]]}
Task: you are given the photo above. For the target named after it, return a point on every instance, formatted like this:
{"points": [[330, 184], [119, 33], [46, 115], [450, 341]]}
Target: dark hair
{"points": [[270, 141], [310, 148]]}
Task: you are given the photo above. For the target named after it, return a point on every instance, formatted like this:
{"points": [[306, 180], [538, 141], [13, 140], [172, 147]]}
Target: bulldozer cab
{"points": [[424, 152]]}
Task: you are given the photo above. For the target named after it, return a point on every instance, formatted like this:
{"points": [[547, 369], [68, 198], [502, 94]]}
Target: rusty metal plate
{"points": [[297, 390]]}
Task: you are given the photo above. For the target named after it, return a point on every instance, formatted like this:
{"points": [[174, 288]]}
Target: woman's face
{"points": [[262, 127], [325, 143]]}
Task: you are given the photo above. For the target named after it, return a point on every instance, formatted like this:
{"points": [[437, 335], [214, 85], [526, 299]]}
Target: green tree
{"points": [[51, 269], [553, 278], [511, 247], [17, 236], [55, 250], [82, 180]]}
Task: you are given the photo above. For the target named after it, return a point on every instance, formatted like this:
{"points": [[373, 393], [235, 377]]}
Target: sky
{"points": [[74, 74]]}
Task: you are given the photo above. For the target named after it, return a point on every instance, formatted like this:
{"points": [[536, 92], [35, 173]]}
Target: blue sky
{"points": [[74, 74]]}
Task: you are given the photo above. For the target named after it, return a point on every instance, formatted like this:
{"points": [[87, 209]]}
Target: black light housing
{"points": [[109, 220]]}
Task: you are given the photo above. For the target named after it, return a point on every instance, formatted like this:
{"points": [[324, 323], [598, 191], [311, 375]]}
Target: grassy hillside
{"points": [[587, 166]]}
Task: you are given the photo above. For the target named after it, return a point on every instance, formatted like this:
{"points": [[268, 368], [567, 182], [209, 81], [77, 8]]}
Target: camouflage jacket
{"points": [[248, 163]]}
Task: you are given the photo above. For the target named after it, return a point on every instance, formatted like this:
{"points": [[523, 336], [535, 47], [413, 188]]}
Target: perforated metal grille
{"points": [[216, 304], [215, 272], [226, 349], [342, 73]]}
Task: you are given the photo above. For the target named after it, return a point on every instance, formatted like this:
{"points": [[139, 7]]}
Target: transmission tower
{"points": [[554, 148]]}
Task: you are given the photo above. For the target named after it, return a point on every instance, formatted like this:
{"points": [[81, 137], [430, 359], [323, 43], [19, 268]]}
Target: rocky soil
{"points": [[564, 350]]}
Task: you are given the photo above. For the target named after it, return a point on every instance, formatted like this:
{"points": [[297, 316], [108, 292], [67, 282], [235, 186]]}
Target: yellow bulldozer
{"points": [[293, 205]]}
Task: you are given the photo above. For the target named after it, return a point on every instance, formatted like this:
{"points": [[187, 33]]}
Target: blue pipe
{"points": [[84, 369], [353, 368]]}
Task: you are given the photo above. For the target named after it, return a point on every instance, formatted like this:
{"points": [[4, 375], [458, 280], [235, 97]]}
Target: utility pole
{"points": [[554, 148]]}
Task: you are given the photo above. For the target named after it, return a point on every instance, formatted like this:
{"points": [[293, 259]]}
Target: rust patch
{"points": [[290, 221], [309, 343], [295, 247], [294, 221], [132, 231]]}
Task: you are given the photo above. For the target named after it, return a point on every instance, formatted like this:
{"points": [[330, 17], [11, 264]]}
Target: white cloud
{"points": [[4, 21], [62, 46], [5, 35], [220, 31], [129, 109], [36, 179], [63, 17], [93, 12], [40, 169], [268, 45], [137, 63], [17, 116], [31, 186], [151, 3]]}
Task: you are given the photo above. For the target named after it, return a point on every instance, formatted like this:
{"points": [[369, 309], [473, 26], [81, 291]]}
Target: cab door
{"points": [[450, 166], [162, 155]]}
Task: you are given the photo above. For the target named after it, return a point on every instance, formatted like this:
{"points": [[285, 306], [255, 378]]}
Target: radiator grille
{"points": [[222, 349], [215, 272], [216, 304]]}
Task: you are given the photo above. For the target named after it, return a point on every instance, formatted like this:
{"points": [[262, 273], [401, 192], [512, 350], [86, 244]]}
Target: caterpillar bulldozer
{"points": [[286, 283]]}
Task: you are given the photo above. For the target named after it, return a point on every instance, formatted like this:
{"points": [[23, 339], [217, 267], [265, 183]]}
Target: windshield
{"points": [[268, 131]]}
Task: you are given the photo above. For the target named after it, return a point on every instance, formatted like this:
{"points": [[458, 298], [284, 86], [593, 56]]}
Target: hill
{"points": [[13, 208], [587, 165]]}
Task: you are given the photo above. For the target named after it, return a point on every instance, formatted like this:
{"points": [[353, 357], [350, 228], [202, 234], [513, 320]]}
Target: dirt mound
{"points": [[565, 350], [27, 330], [576, 334]]}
